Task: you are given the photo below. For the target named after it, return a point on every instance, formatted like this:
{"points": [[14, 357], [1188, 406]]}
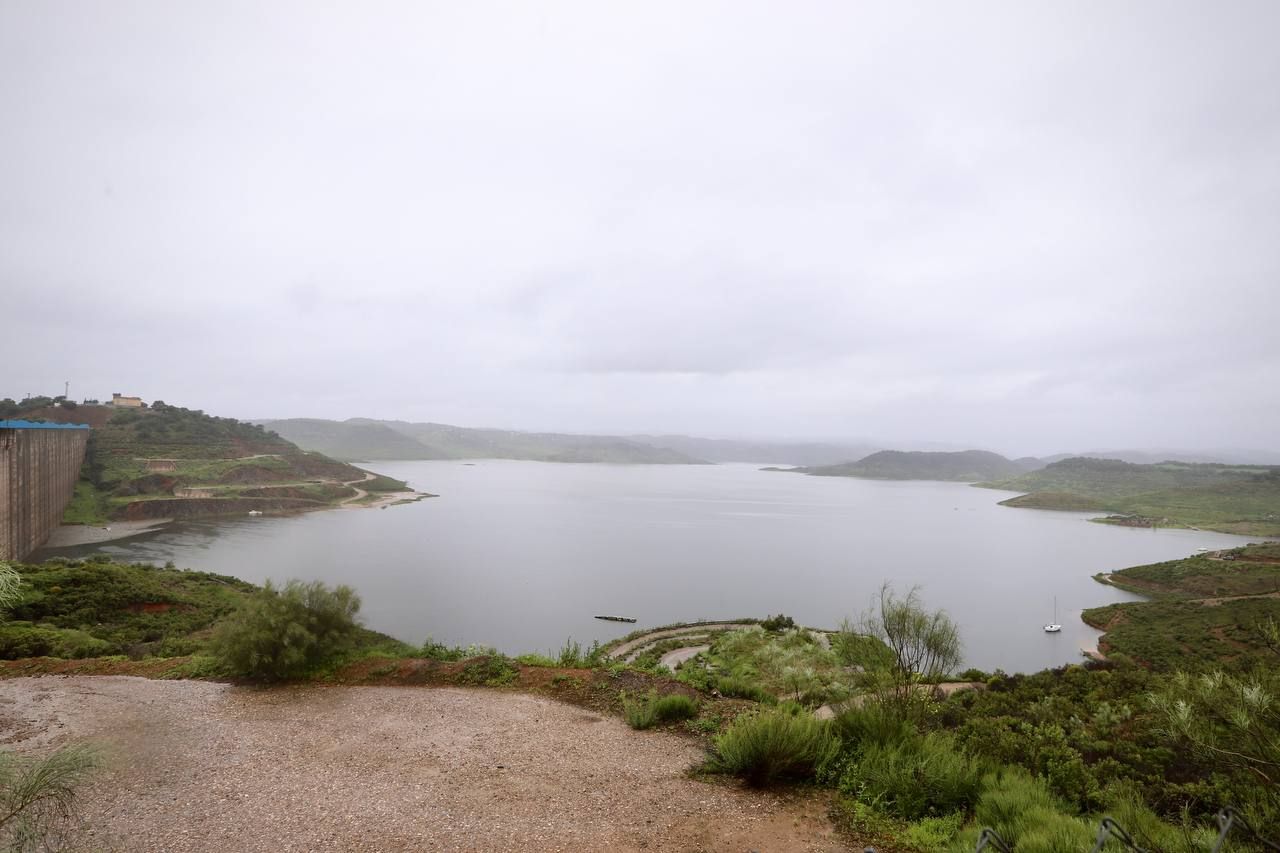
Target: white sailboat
{"points": [[1053, 627]]}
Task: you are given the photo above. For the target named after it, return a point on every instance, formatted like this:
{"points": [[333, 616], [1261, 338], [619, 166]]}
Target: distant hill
{"points": [[170, 462], [965, 466], [363, 438], [778, 452], [1230, 498], [351, 440]]}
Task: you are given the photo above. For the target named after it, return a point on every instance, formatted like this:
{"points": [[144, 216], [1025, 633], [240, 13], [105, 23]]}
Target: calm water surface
{"points": [[521, 555]]}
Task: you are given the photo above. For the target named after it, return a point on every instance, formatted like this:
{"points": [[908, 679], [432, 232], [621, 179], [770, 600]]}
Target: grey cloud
{"points": [[1026, 227]]}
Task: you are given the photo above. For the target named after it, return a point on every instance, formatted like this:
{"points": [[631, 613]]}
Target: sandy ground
{"points": [[70, 535], [194, 766]]}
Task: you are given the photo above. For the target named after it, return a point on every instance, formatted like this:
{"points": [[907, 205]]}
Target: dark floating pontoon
{"points": [[616, 618]]}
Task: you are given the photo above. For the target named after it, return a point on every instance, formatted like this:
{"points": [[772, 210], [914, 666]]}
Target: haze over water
{"points": [[522, 555]]}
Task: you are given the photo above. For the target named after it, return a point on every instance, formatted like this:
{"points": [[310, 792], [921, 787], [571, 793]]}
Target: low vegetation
{"points": [[1230, 498], [654, 710]]}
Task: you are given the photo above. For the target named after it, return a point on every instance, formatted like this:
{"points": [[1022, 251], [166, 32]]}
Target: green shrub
{"points": [[287, 632], [675, 706], [740, 688], [492, 670], [925, 778], [648, 712], [778, 623], [774, 745], [638, 714], [24, 640], [573, 655], [934, 833]]}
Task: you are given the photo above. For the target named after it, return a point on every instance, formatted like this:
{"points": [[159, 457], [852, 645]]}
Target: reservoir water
{"points": [[522, 555]]}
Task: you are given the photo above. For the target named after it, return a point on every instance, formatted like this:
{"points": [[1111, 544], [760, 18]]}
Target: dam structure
{"points": [[39, 466]]}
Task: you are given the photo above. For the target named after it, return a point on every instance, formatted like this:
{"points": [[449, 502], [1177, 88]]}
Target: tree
{"points": [[283, 633], [923, 645], [1233, 722], [37, 796]]}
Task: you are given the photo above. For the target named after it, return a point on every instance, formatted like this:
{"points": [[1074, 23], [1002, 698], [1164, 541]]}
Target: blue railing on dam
{"points": [[6, 424]]}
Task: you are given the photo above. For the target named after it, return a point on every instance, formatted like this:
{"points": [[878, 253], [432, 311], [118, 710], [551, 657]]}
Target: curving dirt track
{"points": [[195, 766]]}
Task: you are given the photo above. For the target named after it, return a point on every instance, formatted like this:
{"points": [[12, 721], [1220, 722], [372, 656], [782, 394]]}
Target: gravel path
{"points": [[675, 657], [209, 767]]}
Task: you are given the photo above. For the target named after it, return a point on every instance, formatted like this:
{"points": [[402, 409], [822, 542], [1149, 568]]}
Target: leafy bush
{"points": [[285, 633], [917, 779], [774, 745]]}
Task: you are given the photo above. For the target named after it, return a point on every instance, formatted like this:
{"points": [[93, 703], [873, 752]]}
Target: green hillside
{"points": [[170, 462], [1229, 498], [965, 466], [1210, 610], [362, 438]]}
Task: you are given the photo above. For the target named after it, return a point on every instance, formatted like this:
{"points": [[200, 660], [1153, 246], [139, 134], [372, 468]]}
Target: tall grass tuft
{"points": [[739, 688], [873, 724], [675, 706], [928, 777], [774, 745], [648, 712]]}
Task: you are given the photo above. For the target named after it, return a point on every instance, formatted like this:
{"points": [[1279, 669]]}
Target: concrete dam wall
{"points": [[39, 466]]}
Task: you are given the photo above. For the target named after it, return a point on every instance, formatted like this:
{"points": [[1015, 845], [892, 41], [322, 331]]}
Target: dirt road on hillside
{"points": [[209, 767]]}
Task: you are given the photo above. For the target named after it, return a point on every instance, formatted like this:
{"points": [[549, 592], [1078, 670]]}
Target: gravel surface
{"points": [[194, 766]]}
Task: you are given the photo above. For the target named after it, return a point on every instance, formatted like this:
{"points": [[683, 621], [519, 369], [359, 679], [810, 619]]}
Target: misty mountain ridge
{"points": [[375, 439], [368, 439]]}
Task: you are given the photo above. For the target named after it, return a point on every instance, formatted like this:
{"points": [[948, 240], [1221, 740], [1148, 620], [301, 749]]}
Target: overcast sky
{"points": [[1030, 227]]}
